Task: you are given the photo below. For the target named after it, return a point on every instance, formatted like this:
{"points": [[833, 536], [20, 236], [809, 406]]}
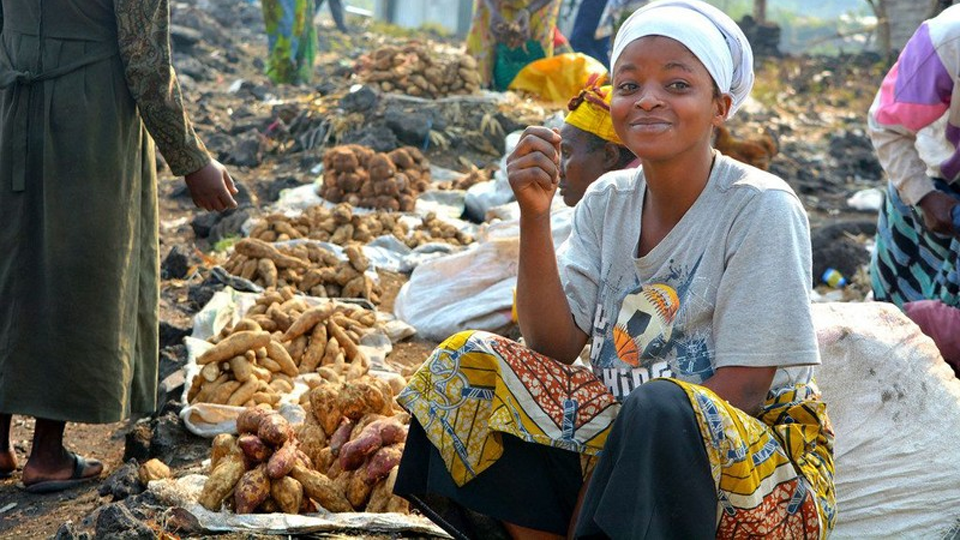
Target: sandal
{"points": [[80, 465]]}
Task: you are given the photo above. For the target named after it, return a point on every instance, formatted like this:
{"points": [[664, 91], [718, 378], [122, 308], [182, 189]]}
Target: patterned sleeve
{"points": [[143, 28], [915, 93]]}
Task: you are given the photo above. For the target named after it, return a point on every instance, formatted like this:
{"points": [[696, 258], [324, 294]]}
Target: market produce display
{"points": [[281, 337], [414, 70], [306, 267], [368, 179], [341, 225]]}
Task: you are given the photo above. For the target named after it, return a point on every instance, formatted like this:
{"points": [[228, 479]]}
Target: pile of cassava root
{"points": [[255, 361], [341, 225], [415, 71], [391, 181], [307, 267]]}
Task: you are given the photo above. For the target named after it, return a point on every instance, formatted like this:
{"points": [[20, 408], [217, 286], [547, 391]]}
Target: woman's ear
{"points": [[722, 105], [611, 156]]}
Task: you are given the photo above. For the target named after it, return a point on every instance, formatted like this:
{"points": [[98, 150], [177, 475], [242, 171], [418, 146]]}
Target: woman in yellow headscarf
{"points": [[590, 146], [522, 30]]}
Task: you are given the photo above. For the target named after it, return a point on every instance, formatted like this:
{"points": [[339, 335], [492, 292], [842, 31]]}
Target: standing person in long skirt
{"points": [[690, 279], [291, 39], [86, 87]]}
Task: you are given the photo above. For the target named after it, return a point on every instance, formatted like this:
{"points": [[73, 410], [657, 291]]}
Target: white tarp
{"points": [[895, 408]]}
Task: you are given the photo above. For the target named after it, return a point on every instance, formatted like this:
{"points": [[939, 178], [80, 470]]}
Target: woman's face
{"points": [[582, 161], [663, 103]]}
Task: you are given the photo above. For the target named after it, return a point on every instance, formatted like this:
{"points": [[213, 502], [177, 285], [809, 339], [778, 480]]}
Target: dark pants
{"points": [[336, 10], [585, 28], [652, 480]]}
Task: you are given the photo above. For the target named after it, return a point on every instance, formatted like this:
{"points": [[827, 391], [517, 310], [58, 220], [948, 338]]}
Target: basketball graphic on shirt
{"points": [[646, 316]]}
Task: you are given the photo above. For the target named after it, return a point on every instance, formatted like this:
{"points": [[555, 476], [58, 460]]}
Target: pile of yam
{"points": [[255, 361], [263, 469], [339, 225], [307, 267], [416, 71], [354, 434], [391, 181]]}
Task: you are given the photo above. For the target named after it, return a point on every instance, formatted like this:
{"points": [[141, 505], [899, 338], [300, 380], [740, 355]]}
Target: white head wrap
{"points": [[710, 35]]}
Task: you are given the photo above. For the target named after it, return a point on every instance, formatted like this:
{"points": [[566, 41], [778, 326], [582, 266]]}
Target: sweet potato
{"points": [[244, 393], [359, 398], [312, 440], [252, 489], [350, 348], [355, 451], [314, 351], [380, 464], [248, 421], [258, 249], [224, 391], [320, 488], [288, 493], [279, 354], [222, 445], [283, 460], [234, 344], [221, 481], [305, 322], [274, 430], [153, 469], [296, 348], [324, 403], [358, 490], [341, 436], [254, 448]]}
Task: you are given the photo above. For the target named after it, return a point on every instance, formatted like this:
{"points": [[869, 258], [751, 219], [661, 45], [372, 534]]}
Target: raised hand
{"points": [[533, 169]]}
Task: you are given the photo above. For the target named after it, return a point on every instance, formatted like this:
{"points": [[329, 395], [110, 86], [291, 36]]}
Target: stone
{"points": [[123, 483], [176, 264], [68, 531], [116, 522], [363, 99]]}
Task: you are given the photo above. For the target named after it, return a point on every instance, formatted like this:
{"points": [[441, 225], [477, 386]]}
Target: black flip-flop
{"points": [[80, 464]]}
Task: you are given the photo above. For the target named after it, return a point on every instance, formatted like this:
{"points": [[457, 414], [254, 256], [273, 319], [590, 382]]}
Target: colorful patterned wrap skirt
{"points": [[773, 473]]}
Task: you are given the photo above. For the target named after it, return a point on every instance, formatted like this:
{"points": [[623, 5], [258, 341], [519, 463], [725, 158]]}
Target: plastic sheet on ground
{"points": [[471, 289], [226, 307], [183, 493], [895, 408]]}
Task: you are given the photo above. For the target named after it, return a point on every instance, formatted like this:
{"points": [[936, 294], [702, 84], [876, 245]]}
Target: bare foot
{"points": [[61, 472], [8, 462]]}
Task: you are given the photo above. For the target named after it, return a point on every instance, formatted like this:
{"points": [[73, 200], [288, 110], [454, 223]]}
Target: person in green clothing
{"points": [[292, 40], [86, 88]]}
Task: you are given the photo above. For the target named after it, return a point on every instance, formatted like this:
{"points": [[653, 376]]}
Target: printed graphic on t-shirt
{"points": [[648, 337]]}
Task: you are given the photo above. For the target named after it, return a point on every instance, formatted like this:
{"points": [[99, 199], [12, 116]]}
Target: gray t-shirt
{"points": [[728, 286]]}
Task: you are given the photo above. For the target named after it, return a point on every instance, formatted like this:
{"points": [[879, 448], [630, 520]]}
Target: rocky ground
{"points": [[273, 138]]}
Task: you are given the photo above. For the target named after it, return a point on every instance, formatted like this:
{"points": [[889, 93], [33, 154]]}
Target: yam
{"points": [[288, 493], [320, 488], [221, 481], [325, 406], [223, 444]]}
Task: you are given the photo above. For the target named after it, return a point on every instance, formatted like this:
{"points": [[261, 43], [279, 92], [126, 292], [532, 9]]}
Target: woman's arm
{"points": [[545, 318], [143, 34], [745, 388]]}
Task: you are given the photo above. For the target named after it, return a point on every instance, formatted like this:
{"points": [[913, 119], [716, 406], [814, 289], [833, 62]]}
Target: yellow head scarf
{"points": [[590, 111]]}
